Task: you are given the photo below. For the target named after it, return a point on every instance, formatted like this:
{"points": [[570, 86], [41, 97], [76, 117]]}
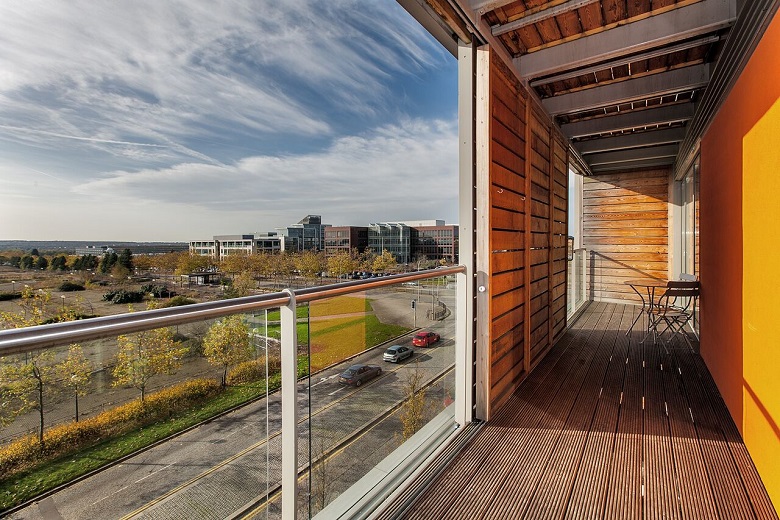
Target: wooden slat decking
{"points": [[605, 427]]}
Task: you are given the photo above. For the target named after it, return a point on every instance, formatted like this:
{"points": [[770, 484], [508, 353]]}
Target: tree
{"points": [[310, 264], [414, 409], [227, 343], [58, 263], [107, 262], [26, 262], [125, 259], [243, 284], [144, 355], [28, 383], [384, 262], [33, 309], [189, 263], [340, 264], [34, 252], [41, 263], [236, 263], [75, 374]]}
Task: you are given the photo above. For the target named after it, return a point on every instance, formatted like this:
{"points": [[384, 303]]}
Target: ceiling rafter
{"points": [[682, 23], [538, 14], [654, 85], [627, 141], [655, 53]]}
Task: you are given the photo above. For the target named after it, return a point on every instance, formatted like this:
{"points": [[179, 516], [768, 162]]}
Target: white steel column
{"points": [[289, 409], [464, 334]]}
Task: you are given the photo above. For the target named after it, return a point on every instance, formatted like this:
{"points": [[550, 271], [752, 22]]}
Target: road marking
{"points": [[323, 380], [127, 486], [337, 391]]}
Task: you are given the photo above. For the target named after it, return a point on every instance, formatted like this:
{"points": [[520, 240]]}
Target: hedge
{"points": [[60, 440]]}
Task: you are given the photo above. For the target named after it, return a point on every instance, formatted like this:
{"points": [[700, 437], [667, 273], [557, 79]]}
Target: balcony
{"points": [[605, 427]]}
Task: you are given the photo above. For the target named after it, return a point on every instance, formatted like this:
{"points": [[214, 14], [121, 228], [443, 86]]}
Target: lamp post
{"points": [[13, 286], [63, 302]]}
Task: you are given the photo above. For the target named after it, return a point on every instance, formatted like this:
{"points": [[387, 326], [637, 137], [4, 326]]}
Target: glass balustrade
{"points": [[183, 410]]}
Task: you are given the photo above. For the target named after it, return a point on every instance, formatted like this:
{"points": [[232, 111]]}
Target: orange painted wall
{"points": [[740, 255]]}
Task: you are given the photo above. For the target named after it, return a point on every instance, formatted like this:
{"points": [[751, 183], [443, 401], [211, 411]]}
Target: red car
{"points": [[425, 339]]}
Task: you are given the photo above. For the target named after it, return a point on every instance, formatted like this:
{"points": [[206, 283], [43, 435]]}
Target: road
{"points": [[220, 467]]}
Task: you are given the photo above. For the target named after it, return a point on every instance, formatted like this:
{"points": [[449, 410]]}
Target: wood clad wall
{"points": [[521, 231], [625, 228]]}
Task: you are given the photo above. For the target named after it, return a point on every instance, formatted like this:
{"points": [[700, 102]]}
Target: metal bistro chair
{"points": [[674, 309]]}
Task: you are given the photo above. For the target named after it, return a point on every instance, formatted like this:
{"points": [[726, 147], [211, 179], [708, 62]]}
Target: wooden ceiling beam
{"points": [[632, 165], [677, 80], [626, 141], [655, 53], [538, 14], [666, 28], [638, 154], [628, 120]]}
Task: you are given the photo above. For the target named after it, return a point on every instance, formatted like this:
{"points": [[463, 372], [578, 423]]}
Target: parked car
{"points": [[425, 339], [358, 374], [397, 353]]}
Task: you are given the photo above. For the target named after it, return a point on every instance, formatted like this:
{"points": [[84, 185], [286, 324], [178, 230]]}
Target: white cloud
{"points": [[378, 176], [190, 104]]}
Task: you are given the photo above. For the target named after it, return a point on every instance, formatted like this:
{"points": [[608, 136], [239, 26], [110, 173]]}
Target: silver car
{"points": [[397, 353]]}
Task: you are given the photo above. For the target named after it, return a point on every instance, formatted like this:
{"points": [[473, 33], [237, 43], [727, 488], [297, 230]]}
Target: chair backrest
{"points": [[685, 277], [680, 289]]}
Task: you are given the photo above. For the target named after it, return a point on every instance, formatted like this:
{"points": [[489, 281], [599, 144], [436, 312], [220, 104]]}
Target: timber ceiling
{"points": [[621, 77]]}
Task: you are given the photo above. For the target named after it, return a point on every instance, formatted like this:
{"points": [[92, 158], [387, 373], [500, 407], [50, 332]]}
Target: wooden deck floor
{"points": [[605, 427]]}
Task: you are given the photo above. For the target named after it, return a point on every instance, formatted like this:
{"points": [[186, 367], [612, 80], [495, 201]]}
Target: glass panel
{"points": [[187, 406], [576, 282], [381, 366]]}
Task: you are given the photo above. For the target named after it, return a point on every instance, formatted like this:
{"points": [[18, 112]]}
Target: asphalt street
{"points": [[222, 466]]}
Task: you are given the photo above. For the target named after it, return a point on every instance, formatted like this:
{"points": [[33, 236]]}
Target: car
{"points": [[425, 339], [397, 353], [409, 284], [358, 374]]}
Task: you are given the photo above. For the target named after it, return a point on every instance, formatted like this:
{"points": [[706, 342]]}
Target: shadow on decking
{"points": [[605, 427]]}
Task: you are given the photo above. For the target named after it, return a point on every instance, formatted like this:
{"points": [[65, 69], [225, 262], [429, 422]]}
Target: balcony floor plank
{"points": [[605, 427]]}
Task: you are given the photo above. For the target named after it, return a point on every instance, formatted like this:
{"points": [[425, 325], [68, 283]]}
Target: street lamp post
{"points": [[13, 286], [63, 302]]}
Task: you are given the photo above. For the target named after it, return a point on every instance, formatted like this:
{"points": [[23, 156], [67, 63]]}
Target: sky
{"points": [[179, 120]]}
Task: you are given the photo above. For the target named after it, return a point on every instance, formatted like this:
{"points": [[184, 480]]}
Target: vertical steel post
{"points": [[464, 333], [289, 409]]}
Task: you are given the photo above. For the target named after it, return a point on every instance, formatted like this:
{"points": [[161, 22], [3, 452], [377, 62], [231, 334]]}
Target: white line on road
{"points": [[337, 391], [136, 482], [323, 380]]}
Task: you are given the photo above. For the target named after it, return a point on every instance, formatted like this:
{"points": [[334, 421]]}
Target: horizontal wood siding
{"points": [[541, 236], [508, 240], [522, 194], [559, 196], [625, 221]]}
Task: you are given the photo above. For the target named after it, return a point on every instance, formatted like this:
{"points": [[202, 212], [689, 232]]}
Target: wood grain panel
{"points": [[626, 228], [524, 201]]}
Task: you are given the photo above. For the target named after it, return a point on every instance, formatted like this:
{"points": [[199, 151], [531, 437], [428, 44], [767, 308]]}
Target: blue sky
{"points": [[150, 120]]}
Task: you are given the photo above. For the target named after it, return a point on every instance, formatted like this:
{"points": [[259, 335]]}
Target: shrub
{"points": [[158, 291], [70, 286], [177, 301], [254, 370], [9, 296], [65, 438], [122, 296]]}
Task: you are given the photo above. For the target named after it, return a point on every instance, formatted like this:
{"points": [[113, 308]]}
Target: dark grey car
{"points": [[358, 374]]}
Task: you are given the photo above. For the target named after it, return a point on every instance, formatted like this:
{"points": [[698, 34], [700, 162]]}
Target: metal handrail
{"points": [[15, 341]]}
